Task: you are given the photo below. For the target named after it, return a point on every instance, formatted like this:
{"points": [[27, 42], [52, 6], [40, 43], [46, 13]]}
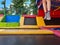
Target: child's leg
{"points": [[48, 9], [44, 7], [48, 4]]}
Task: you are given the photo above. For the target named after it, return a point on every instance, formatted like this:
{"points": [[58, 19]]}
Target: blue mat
{"points": [[12, 18]]}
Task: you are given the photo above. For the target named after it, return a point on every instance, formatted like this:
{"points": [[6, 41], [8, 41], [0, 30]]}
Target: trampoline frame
{"points": [[26, 28]]}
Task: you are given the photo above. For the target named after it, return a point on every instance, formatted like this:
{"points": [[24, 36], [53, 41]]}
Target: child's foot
{"points": [[45, 16], [48, 16]]}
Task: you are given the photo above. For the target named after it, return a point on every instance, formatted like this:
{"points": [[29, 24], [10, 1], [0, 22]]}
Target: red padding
{"points": [[49, 27], [29, 16], [57, 33], [54, 14]]}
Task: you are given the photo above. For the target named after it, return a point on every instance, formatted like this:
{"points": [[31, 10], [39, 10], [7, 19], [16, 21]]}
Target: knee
{"points": [[44, 1], [48, 1]]}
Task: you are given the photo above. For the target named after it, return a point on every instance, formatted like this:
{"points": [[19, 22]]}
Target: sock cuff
{"points": [[45, 12], [48, 11]]}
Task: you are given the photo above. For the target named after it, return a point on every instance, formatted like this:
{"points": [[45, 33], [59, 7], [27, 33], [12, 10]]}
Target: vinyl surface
{"points": [[29, 40], [30, 21], [53, 21]]}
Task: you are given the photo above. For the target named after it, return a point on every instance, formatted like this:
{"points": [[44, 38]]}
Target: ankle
{"points": [[45, 13], [48, 11]]}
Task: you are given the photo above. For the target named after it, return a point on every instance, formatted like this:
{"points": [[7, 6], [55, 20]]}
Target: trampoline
{"points": [[30, 21], [53, 21]]}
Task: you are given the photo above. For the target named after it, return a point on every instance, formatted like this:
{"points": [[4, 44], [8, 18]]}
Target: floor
{"points": [[29, 40]]}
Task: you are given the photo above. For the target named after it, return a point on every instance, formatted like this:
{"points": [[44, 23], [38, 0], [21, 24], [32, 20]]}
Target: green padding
{"points": [[13, 24], [2, 24]]}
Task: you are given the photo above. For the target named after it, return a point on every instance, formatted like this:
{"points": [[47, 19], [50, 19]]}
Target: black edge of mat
{"points": [[53, 21]]}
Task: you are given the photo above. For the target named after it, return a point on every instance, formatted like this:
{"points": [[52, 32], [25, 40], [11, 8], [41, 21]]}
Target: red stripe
{"points": [[29, 16]]}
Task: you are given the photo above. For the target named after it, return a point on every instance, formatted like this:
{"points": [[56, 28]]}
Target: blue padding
{"points": [[54, 28], [12, 18]]}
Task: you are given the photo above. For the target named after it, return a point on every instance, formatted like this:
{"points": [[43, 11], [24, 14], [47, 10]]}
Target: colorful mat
{"points": [[56, 31]]}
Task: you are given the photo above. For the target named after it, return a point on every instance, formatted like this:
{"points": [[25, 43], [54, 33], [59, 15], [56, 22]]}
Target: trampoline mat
{"points": [[30, 21], [29, 40], [53, 21]]}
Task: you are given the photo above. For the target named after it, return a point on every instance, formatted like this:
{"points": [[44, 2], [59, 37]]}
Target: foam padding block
{"points": [[3, 24], [29, 16], [12, 24], [40, 21], [12, 18], [26, 31]]}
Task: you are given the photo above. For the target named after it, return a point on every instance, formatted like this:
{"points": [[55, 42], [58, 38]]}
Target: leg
{"points": [[48, 9], [48, 4], [44, 7]]}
